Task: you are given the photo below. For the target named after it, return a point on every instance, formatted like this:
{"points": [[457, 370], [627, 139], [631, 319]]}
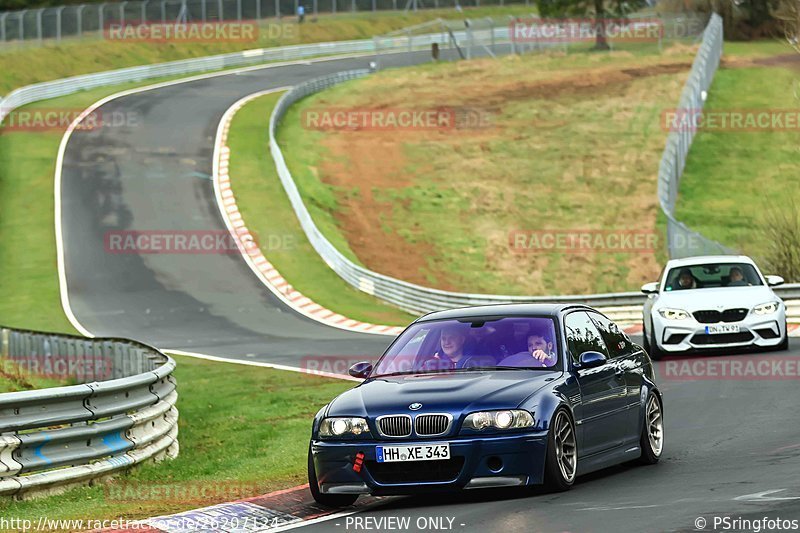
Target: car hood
{"points": [[453, 393], [717, 298]]}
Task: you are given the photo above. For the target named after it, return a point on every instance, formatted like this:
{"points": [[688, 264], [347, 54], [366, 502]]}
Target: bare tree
{"points": [[788, 15]]}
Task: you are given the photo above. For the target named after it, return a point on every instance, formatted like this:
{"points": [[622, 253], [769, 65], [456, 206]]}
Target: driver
{"points": [[451, 352], [686, 280], [737, 278]]}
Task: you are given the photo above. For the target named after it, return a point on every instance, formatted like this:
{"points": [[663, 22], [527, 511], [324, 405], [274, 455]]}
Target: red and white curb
{"points": [[252, 254]]}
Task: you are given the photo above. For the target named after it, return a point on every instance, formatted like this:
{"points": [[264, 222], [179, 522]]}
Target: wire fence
{"points": [[681, 240], [57, 23]]}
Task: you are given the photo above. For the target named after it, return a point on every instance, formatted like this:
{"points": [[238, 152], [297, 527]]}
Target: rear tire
{"points": [[326, 500], [652, 439], [561, 460]]}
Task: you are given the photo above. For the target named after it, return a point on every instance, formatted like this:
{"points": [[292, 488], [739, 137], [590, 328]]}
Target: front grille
{"points": [[722, 338], [431, 425], [395, 425], [416, 471], [714, 317]]}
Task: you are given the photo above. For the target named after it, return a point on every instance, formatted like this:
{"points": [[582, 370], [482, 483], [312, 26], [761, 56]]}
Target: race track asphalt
{"points": [[728, 442]]}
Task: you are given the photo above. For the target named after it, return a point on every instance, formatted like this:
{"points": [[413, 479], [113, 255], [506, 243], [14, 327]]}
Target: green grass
{"points": [[243, 431], [267, 211], [26, 65], [732, 178]]}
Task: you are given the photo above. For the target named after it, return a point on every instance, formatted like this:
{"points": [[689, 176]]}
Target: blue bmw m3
{"points": [[492, 396]]}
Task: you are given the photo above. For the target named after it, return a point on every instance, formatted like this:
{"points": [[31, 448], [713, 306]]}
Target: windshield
{"points": [[449, 345], [712, 275]]}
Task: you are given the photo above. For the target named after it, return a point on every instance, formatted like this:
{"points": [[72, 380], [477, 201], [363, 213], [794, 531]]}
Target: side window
{"points": [[616, 340], [582, 335]]}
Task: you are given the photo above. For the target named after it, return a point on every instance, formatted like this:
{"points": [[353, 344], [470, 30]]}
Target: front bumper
{"points": [[477, 462], [676, 336]]}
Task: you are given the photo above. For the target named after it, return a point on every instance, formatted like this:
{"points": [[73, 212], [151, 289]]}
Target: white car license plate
{"points": [[421, 452], [722, 328]]}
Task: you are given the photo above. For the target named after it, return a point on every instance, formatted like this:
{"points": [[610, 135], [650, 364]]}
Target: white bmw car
{"points": [[713, 302]]}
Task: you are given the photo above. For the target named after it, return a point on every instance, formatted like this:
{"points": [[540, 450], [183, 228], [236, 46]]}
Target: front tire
{"points": [[326, 500], [652, 439], [655, 352], [561, 461]]}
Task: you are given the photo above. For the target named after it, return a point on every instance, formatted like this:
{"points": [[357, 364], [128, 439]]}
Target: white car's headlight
{"points": [[673, 314], [510, 419], [337, 427], [766, 308]]}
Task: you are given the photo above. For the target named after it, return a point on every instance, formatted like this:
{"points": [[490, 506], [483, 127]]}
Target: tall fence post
{"points": [[220, 15], [22, 24], [144, 12], [59, 11], [3, 18], [100, 18], [204, 10], [258, 9], [278, 8], [163, 11], [239, 10], [39, 14], [122, 13], [79, 20]]}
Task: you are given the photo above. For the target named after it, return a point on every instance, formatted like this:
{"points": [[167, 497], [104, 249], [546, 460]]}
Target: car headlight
{"points": [[340, 426], [673, 314], [509, 419], [767, 308]]}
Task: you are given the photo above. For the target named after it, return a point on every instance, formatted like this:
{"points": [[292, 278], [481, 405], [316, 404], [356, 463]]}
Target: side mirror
{"points": [[774, 281], [650, 288], [360, 370], [592, 359]]}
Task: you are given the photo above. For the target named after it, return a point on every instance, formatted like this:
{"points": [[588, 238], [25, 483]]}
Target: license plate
{"points": [[422, 452], [722, 328]]}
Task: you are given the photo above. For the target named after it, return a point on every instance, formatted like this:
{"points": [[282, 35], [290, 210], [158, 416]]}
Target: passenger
{"points": [[540, 353], [737, 278]]}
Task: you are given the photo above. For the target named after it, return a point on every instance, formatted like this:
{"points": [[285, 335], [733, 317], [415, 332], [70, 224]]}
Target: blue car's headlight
{"points": [[510, 419], [767, 308], [343, 426]]}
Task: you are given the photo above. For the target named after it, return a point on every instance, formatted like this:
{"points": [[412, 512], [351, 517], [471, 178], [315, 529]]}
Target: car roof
{"points": [[510, 310], [702, 259]]}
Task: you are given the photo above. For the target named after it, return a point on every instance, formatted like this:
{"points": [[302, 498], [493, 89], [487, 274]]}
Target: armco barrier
{"points": [[409, 296], [120, 412]]}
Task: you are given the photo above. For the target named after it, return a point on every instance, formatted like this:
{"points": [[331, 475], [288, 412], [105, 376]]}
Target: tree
{"points": [[599, 9]]}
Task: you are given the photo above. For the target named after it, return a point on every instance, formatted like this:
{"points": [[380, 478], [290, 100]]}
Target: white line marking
{"points": [[259, 364], [764, 497]]}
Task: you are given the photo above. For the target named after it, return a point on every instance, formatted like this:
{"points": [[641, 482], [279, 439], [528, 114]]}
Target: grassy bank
{"points": [[570, 143], [23, 66], [247, 437], [267, 211], [733, 178]]}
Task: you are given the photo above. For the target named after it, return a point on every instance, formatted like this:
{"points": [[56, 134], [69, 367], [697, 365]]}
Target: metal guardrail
{"points": [[408, 296], [682, 241], [120, 412]]}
